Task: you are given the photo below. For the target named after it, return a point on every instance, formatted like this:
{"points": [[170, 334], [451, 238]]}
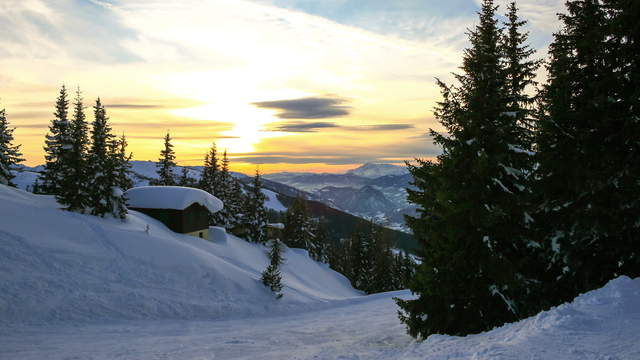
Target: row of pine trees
{"points": [[86, 170], [534, 198]]}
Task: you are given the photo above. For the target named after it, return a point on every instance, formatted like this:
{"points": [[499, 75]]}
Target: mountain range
{"points": [[375, 191]]}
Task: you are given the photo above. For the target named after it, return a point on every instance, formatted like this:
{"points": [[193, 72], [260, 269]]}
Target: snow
{"points": [[602, 324], [519, 150], [75, 286], [57, 266], [25, 179], [272, 201], [170, 197]]}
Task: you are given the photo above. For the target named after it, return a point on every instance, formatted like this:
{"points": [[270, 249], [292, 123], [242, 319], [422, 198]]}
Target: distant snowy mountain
{"points": [[375, 191], [371, 170]]}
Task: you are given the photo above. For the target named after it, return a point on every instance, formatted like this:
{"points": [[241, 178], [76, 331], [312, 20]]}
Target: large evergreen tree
{"points": [[588, 148], [106, 196], [75, 194], [58, 145], [166, 164], [254, 214], [471, 218], [10, 154]]}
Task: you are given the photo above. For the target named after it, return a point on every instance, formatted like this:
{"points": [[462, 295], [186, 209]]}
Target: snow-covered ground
{"points": [[600, 325], [272, 201], [78, 287], [60, 266]]}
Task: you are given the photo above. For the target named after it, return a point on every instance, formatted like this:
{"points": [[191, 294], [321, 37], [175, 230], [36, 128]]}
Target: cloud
{"points": [[307, 108], [73, 28], [304, 127], [380, 127]]}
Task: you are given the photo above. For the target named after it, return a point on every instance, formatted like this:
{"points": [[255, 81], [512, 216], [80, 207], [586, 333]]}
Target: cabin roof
{"points": [[171, 197]]}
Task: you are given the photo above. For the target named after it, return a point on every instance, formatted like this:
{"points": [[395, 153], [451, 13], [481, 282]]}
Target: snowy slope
{"points": [[599, 325], [272, 201], [61, 266]]}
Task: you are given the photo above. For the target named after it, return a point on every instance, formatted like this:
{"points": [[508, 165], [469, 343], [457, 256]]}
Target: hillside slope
{"points": [[62, 266]]}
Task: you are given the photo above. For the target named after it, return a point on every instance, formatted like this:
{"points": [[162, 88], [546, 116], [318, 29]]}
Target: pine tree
{"points": [[382, 260], [254, 214], [75, 193], [166, 164], [58, 146], [589, 155], [10, 154], [211, 171], [123, 164], [297, 231], [225, 183], [106, 197], [471, 219], [271, 277], [359, 268], [235, 205], [321, 242], [117, 170], [185, 179], [520, 74]]}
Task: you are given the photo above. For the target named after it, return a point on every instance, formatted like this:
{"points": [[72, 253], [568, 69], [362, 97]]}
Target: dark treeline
{"points": [[534, 198], [366, 258]]}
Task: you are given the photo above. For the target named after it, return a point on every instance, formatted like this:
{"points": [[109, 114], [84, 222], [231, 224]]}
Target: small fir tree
{"points": [[235, 205], [123, 164], [255, 214], [10, 154], [271, 277], [166, 164], [185, 179]]}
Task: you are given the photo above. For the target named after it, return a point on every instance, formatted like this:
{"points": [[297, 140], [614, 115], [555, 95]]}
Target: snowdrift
{"points": [[600, 324], [62, 266]]}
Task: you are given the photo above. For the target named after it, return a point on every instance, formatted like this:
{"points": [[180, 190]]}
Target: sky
{"points": [[285, 85]]}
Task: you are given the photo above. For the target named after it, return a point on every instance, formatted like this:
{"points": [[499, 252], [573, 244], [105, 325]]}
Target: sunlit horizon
{"points": [[281, 85]]}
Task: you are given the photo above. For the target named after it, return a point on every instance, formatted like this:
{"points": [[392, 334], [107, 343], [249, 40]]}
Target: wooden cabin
{"points": [[182, 209]]}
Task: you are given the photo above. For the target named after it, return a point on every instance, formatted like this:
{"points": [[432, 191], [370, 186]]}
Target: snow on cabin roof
{"points": [[170, 197]]}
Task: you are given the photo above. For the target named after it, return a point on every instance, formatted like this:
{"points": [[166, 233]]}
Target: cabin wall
{"points": [[170, 217], [195, 218], [192, 220]]}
